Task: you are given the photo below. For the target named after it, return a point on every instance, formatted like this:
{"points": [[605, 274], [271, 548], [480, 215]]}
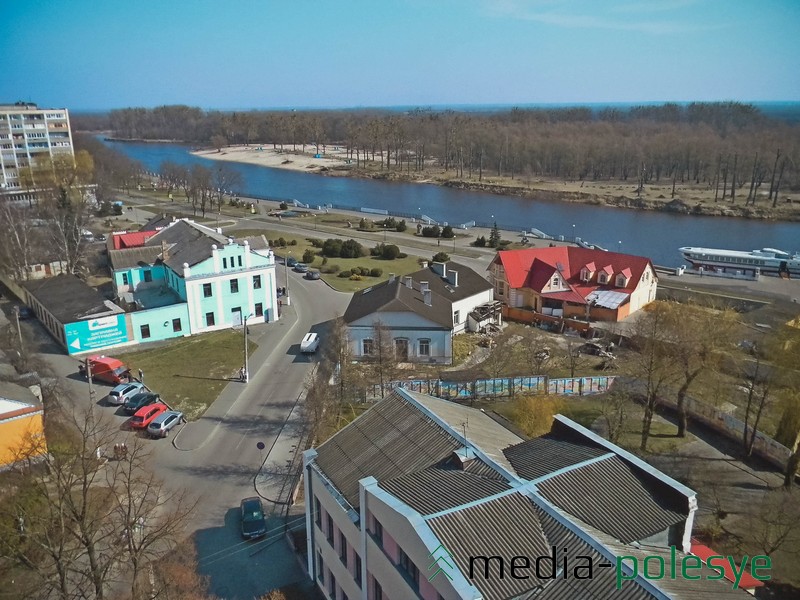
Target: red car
{"points": [[145, 415]]}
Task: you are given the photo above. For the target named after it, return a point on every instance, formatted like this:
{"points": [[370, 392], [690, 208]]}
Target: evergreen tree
{"points": [[494, 236]]}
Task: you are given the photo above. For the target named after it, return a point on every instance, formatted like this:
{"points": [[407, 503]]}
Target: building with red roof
{"points": [[573, 282], [714, 559]]}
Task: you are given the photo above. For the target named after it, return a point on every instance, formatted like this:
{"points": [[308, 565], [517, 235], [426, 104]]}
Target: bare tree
{"points": [[536, 351], [224, 180], [615, 408], [774, 523]]}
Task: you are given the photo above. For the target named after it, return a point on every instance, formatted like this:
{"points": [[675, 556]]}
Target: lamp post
{"points": [[286, 272], [619, 248], [246, 354], [574, 239], [19, 330], [384, 232]]}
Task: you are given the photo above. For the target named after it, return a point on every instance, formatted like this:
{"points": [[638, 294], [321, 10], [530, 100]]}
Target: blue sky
{"points": [[85, 54]]}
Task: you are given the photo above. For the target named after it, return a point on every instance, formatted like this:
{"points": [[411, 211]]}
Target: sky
{"points": [[247, 54]]}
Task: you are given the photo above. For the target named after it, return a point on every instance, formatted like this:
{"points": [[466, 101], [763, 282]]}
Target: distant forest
{"points": [[730, 147]]}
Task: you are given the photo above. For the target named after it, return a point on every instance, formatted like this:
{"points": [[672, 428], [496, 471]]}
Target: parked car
{"points": [[107, 369], [164, 423], [301, 267], [100, 237], [290, 262], [591, 348], [120, 394], [310, 343], [313, 275], [139, 400], [254, 524], [145, 415]]}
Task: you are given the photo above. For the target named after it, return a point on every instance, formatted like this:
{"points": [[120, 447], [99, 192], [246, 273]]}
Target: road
{"points": [[217, 459]]}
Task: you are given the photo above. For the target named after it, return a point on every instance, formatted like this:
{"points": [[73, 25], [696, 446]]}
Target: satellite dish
{"points": [[260, 445]]}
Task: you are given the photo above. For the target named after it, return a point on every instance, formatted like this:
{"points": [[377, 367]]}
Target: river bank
{"points": [[688, 198]]}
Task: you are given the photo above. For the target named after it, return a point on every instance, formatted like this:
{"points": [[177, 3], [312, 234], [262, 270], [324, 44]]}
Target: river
{"points": [[647, 233]]}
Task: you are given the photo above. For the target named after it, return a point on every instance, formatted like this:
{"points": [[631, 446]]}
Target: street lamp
{"points": [[286, 272], [384, 232], [246, 354], [574, 239]]}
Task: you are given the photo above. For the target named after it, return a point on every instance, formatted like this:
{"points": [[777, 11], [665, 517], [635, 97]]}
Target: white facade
{"points": [[462, 308], [27, 133], [426, 341]]}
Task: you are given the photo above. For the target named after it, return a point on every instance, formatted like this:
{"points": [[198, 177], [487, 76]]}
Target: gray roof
{"points": [[392, 438], [615, 497], [256, 242], [439, 488], [189, 243], [133, 257], [556, 450], [395, 296], [69, 299], [158, 222]]}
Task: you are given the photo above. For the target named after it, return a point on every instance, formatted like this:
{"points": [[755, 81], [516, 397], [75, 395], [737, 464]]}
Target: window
{"points": [[556, 282], [377, 531], [342, 548], [621, 281], [377, 590], [176, 325], [367, 347], [256, 282], [585, 275], [234, 286], [240, 261], [602, 278], [357, 574], [125, 280], [148, 275], [500, 288], [456, 317], [207, 290], [407, 565], [145, 331], [320, 568], [209, 319], [317, 513], [424, 347], [330, 530], [332, 585], [259, 309], [224, 263]]}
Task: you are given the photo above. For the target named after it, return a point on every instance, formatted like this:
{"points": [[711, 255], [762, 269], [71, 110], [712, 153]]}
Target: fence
{"points": [[499, 387]]}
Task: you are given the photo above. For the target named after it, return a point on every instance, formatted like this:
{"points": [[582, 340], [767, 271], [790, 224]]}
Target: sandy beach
{"points": [[267, 156]]}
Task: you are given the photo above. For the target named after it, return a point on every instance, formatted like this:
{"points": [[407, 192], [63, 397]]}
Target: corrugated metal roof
{"points": [[607, 298], [546, 454], [133, 257], [436, 489], [392, 438], [190, 243], [610, 495]]}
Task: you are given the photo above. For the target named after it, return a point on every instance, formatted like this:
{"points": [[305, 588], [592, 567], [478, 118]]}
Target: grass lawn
{"points": [[190, 373]]}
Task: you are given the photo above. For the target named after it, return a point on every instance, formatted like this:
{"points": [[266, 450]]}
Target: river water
{"points": [[646, 233]]}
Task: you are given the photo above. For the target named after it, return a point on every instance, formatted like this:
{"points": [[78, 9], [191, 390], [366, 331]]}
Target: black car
{"points": [[254, 524], [136, 402], [313, 275], [291, 261]]}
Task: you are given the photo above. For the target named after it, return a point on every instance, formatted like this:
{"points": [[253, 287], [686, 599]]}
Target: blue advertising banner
{"points": [[95, 333]]}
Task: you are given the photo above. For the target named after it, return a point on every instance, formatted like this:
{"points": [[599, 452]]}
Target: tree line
{"points": [[731, 148]]}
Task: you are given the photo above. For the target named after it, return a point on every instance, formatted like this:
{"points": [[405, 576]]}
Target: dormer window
{"points": [[621, 280], [556, 282], [585, 274], [602, 278]]}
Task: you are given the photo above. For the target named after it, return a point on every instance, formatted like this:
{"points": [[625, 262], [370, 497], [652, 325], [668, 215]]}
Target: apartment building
{"points": [[416, 478], [26, 134]]}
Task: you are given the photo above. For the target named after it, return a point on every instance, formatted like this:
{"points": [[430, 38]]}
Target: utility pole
{"points": [[246, 354], [286, 272], [19, 331], [89, 378]]}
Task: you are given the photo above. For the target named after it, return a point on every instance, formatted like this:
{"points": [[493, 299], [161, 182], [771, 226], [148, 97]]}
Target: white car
{"points": [[123, 391], [164, 423], [309, 344]]}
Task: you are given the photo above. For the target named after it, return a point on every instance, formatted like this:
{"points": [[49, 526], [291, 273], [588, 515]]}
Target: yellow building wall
{"points": [[17, 433]]}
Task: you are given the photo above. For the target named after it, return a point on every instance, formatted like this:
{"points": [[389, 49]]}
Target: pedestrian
{"points": [[242, 374], [141, 376], [438, 242]]}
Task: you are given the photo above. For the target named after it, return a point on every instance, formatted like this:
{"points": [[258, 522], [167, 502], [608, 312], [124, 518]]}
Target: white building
{"points": [[420, 312], [26, 134]]}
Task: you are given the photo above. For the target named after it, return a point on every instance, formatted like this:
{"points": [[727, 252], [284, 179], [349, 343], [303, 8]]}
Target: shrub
{"points": [[271, 242], [390, 252], [401, 226], [440, 257], [364, 224], [447, 232], [309, 256], [316, 242], [503, 243], [375, 272], [351, 249], [324, 260], [293, 243], [284, 206], [354, 277], [332, 247], [402, 255], [345, 273], [334, 268], [480, 241], [433, 232], [281, 242]]}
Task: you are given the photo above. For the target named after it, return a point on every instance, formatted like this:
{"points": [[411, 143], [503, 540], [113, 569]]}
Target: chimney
{"points": [[219, 230], [452, 278], [426, 296], [164, 251], [186, 271], [407, 281], [424, 264], [438, 268], [391, 277], [423, 286]]}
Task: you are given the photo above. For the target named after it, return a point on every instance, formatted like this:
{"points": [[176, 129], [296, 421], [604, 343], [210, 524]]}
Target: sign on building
{"points": [[94, 334]]}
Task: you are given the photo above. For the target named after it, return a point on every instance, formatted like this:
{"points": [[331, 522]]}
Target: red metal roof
{"points": [[704, 552], [131, 240]]}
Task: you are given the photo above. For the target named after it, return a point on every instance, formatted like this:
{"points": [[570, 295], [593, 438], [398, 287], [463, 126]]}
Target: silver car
{"points": [[123, 391], [164, 423]]}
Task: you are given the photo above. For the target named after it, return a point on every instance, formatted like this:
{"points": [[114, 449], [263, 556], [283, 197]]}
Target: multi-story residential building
{"points": [[416, 478], [572, 282], [26, 134]]}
